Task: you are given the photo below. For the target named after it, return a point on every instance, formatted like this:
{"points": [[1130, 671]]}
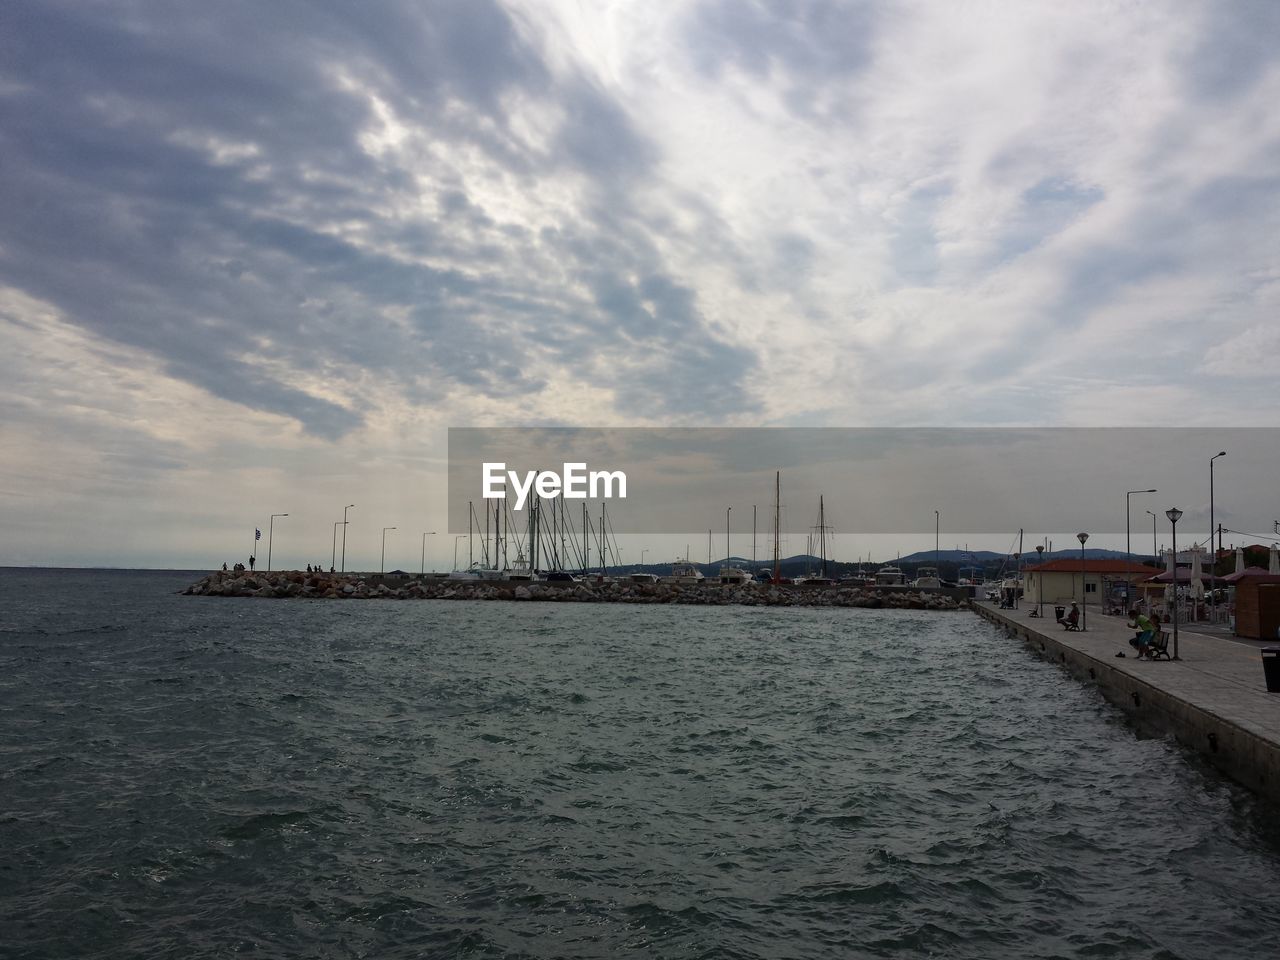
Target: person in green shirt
{"points": [[1146, 632]]}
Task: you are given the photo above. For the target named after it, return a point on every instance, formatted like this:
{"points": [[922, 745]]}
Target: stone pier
{"points": [[1213, 700]]}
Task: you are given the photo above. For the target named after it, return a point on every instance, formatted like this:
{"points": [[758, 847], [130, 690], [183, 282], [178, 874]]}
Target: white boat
{"points": [[520, 570], [927, 577], [643, 578], [732, 576], [684, 572], [890, 576]]}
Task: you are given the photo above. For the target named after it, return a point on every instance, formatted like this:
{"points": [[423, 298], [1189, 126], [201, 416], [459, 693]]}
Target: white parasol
{"points": [[1197, 585]]}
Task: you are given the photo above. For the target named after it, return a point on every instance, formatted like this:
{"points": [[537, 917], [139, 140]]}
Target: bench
{"points": [[1160, 646]]}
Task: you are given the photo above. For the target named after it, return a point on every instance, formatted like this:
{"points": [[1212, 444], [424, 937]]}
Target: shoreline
{"points": [[1213, 701]]}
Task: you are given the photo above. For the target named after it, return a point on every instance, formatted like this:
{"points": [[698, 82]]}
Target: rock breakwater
{"points": [[295, 584]]}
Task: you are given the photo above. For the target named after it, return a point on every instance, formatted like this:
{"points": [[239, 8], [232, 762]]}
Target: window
{"points": [[1090, 588]]}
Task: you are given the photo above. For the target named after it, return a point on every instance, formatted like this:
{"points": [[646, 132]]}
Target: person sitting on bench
{"points": [[1072, 620], [1141, 641]]}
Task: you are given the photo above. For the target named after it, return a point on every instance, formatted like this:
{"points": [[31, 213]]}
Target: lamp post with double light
{"points": [[1128, 547], [1213, 567], [1174, 515], [1084, 599], [1039, 580], [344, 536]]}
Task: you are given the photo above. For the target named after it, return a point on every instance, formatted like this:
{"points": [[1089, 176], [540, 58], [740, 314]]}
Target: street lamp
{"points": [[1084, 600], [1174, 515], [457, 537], [384, 548], [1128, 548], [423, 569], [270, 531], [1155, 550], [727, 510], [344, 536], [1039, 580], [936, 553], [333, 559], [1213, 600]]}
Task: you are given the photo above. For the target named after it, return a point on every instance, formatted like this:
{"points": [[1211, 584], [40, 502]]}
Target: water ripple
{"points": [[520, 780]]}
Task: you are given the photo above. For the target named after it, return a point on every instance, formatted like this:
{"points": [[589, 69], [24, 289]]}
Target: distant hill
{"points": [[986, 556], [950, 563]]}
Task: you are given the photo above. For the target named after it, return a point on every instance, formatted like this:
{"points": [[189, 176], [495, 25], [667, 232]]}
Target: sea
{"points": [[203, 777]]}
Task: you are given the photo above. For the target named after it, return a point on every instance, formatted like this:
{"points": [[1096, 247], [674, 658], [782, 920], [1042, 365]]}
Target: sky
{"points": [[258, 258]]}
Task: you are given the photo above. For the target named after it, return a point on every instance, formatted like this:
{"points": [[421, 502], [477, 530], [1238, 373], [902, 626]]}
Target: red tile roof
{"points": [[1101, 565], [1253, 575]]}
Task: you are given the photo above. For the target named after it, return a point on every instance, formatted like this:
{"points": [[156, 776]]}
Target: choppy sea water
{"points": [[188, 777]]}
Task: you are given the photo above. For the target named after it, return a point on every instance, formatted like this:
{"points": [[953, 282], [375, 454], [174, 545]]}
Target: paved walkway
{"points": [[1219, 675]]}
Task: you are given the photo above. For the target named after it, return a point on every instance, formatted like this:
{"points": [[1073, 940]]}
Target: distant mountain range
{"points": [[949, 562]]}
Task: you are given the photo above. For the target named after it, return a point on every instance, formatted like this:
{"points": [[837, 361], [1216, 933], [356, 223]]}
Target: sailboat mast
{"points": [[822, 535], [777, 509]]}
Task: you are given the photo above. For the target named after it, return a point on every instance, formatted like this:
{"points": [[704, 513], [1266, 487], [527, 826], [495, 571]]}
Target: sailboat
{"points": [[777, 576], [821, 579]]}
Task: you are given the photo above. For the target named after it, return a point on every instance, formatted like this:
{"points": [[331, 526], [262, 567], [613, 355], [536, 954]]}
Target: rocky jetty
{"points": [[295, 584]]}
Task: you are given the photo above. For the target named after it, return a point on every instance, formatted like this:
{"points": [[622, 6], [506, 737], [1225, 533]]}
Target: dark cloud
{"points": [[192, 180], [1235, 44], [815, 43]]}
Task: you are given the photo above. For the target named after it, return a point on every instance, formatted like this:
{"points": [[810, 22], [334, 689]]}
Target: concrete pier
{"points": [[1213, 700]]}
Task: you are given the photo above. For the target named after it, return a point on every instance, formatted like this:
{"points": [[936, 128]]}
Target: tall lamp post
{"points": [[727, 511], [1039, 580], [1128, 548], [936, 553], [333, 559], [271, 530], [423, 568], [1174, 515], [344, 536], [1155, 550], [1213, 567], [384, 548], [1084, 599]]}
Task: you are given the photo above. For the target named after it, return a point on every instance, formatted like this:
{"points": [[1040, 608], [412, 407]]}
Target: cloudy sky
{"points": [[257, 257]]}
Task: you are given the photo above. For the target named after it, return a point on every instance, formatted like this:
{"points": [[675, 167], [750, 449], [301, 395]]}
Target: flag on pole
{"points": [[257, 534]]}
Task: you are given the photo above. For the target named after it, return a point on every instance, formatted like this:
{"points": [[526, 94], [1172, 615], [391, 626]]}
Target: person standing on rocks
{"points": [[251, 559]]}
